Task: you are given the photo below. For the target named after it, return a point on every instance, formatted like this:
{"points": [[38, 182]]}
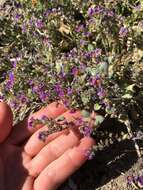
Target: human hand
{"points": [[26, 163]]}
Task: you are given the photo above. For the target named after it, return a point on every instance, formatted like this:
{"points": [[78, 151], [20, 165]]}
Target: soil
{"points": [[110, 167]]}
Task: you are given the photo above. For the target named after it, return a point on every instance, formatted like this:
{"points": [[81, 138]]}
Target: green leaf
{"points": [[85, 99], [91, 70], [103, 67], [85, 113], [130, 87], [98, 120], [60, 118], [110, 71], [127, 96], [90, 47], [110, 110], [58, 66], [97, 107]]}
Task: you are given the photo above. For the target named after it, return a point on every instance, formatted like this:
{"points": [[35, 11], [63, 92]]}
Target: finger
{"points": [[28, 184], [34, 145], [59, 170], [6, 119], [21, 131], [52, 151]]}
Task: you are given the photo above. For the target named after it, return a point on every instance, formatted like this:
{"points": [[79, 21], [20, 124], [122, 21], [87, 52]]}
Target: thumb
{"points": [[6, 119]]}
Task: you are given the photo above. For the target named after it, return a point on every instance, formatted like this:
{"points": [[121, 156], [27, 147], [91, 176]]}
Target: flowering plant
{"points": [[88, 54]]}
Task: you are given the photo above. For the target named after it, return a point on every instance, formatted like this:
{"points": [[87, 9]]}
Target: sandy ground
{"points": [[110, 167]]}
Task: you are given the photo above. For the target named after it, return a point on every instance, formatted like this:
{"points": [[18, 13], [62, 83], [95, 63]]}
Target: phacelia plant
{"points": [[87, 54]]}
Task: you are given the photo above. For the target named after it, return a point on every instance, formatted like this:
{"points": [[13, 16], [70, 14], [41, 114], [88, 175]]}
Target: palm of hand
{"points": [[13, 172], [25, 163]]}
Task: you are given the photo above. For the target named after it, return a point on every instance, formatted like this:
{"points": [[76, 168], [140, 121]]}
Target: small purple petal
{"points": [[123, 32], [39, 23]]}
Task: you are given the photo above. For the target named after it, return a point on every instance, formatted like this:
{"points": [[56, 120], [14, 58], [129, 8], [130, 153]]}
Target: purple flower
{"points": [[8, 85], [89, 154], [97, 52], [43, 135], [13, 104], [99, 9], [100, 92], [140, 180], [59, 90], [87, 34], [91, 21], [10, 82], [44, 118], [83, 42], [86, 130], [62, 75], [80, 28], [46, 42], [79, 122], [73, 52], [123, 32], [31, 22], [65, 102], [14, 62], [17, 17], [1, 97], [74, 70], [24, 27], [30, 82], [31, 122], [17, 5], [91, 11], [88, 54], [82, 67], [130, 180], [69, 91], [46, 13], [95, 10], [110, 13], [138, 7], [43, 95], [11, 76], [54, 10], [140, 24], [39, 23], [23, 99], [3, 75], [61, 93], [35, 89], [93, 80]]}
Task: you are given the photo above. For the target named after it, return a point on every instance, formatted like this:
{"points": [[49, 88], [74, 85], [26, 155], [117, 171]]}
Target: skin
{"points": [[27, 163]]}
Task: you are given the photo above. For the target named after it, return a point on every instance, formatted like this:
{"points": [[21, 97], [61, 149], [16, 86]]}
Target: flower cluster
{"points": [[135, 181], [89, 56]]}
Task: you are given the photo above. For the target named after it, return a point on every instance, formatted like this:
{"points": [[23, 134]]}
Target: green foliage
{"points": [[89, 54]]}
